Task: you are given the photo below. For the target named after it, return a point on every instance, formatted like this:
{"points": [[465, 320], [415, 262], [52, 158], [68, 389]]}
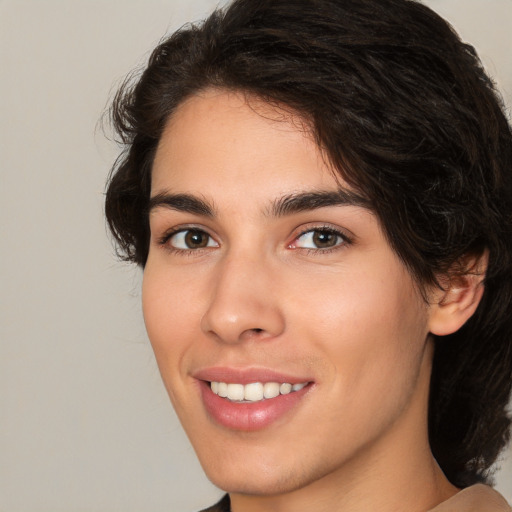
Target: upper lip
{"points": [[246, 375]]}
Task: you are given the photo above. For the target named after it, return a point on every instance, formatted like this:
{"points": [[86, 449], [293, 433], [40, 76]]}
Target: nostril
{"points": [[254, 333]]}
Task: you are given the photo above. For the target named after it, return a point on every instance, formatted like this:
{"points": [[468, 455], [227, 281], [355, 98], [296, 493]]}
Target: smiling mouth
{"points": [[255, 391]]}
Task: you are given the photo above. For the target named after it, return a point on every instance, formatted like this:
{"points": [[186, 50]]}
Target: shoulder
{"points": [[221, 506], [477, 498]]}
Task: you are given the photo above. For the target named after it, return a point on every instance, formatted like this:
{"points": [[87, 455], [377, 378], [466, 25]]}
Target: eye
{"points": [[320, 238], [187, 239]]}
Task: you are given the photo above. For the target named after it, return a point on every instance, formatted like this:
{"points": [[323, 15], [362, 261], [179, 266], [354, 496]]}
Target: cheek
{"points": [[171, 314], [371, 328], [169, 308]]}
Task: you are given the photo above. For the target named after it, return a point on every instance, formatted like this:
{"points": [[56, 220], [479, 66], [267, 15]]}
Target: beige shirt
{"points": [[477, 498]]}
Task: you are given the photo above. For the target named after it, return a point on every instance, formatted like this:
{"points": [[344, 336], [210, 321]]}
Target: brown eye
{"points": [[319, 239], [324, 239], [196, 239], [188, 239]]}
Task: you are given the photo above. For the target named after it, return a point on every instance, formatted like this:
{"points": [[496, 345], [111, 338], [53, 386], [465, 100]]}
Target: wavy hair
{"points": [[408, 117]]}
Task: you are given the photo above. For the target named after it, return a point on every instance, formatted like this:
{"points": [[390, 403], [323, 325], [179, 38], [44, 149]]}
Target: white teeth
{"points": [[285, 388], [270, 389], [222, 389], [235, 392], [255, 391]]}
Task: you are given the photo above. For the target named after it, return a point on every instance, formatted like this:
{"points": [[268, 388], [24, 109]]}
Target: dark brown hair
{"points": [[408, 117]]}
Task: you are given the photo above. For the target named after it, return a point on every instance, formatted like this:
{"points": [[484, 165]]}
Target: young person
{"points": [[320, 195]]}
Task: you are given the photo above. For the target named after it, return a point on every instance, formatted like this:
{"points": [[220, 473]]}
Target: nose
{"points": [[243, 303]]}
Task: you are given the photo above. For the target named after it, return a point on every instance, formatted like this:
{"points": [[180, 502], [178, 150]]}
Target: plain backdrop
{"points": [[85, 424]]}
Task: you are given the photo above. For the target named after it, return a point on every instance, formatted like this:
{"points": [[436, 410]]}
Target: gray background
{"points": [[85, 424]]}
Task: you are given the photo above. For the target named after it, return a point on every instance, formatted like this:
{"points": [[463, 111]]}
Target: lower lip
{"points": [[249, 416]]}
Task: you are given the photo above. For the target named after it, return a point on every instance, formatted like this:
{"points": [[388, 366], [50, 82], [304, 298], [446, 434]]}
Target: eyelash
{"points": [[164, 240], [345, 240]]}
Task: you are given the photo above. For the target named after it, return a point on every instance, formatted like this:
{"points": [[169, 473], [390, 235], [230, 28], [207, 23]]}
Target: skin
{"points": [[348, 318]]}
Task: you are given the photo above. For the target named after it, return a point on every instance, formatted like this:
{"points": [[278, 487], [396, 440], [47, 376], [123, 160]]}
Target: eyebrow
{"points": [[304, 201], [281, 207], [183, 203]]}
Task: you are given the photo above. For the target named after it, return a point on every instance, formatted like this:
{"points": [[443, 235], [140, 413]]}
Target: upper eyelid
{"points": [[343, 232], [321, 228], [185, 227]]}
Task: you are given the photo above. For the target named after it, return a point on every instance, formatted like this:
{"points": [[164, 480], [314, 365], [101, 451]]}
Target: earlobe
{"points": [[452, 306]]}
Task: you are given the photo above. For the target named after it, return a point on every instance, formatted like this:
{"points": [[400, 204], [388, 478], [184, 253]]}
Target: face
{"points": [[269, 281]]}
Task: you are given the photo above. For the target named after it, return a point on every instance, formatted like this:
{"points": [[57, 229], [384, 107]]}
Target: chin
{"points": [[254, 472], [255, 483]]}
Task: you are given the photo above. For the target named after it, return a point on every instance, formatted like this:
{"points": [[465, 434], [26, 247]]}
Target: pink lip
{"points": [[247, 375], [248, 416]]}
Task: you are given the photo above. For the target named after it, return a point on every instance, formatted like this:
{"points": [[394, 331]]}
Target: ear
{"points": [[452, 306]]}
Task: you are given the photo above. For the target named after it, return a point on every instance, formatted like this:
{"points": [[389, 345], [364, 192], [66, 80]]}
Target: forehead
{"points": [[219, 138]]}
